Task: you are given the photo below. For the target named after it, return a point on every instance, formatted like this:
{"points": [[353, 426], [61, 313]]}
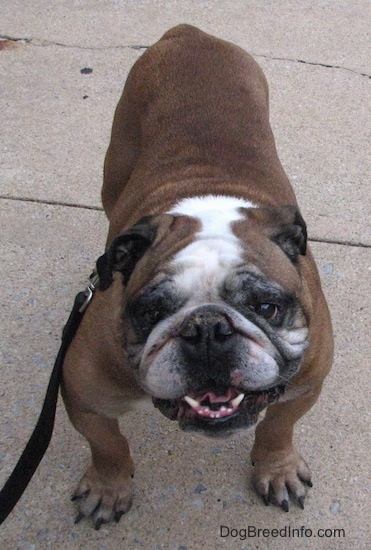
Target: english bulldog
{"points": [[209, 302]]}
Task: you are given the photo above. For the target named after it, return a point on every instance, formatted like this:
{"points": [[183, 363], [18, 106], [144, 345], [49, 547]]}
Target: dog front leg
{"points": [[279, 470], [105, 491]]}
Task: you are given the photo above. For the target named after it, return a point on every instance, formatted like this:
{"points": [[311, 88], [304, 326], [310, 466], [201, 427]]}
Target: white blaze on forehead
{"points": [[205, 263], [216, 213]]}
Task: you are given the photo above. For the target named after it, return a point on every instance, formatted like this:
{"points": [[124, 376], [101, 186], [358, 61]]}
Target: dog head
{"points": [[213, 314]]}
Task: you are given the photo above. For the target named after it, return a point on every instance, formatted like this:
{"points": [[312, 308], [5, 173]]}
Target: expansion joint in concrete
{"points": [[8, 41], [31, 200]]}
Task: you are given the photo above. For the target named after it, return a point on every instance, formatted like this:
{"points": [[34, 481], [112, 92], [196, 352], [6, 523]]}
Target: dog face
{"points": [[212, 318]]}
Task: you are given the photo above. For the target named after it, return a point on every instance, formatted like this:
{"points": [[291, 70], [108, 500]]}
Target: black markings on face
{"points": [[259, 299], [154, 304]]}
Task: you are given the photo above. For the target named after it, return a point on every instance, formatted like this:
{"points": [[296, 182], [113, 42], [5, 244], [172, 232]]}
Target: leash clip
{"points": [[89, 291]]}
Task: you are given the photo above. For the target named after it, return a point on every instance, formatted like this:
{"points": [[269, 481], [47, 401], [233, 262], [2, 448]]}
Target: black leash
{"points": [[41, 436]]}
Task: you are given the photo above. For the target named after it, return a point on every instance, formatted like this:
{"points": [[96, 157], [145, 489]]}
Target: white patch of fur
{"points": [[206, 262], [216, 213]]}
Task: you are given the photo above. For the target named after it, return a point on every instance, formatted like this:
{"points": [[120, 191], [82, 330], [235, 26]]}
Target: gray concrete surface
{"points": [[55, 124]]}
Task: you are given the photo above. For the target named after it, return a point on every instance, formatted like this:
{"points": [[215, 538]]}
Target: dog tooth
{"points": [[223, 409], [237, 400], [192, 402]]}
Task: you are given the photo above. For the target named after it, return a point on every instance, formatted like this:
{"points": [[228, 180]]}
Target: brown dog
{"points": [[209, 301]]}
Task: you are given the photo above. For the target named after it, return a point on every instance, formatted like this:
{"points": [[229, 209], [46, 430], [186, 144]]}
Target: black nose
{"points": [[208, 346], [205, 327]]}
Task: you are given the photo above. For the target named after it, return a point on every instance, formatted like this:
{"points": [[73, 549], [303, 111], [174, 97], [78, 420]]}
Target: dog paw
{"points": [[279, 478], [102, 499]]}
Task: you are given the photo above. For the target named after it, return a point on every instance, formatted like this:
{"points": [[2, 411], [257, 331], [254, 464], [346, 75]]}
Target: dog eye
{"points": [[268, 311], [149, 318]]}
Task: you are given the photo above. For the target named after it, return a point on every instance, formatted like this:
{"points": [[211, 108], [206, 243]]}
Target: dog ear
{"points": [[125, 251], [290, 231]]}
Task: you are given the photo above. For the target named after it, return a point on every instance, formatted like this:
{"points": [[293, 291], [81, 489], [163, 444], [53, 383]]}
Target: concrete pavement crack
{"points": [[31, 200], [338, 242], [313, 63], [39, 42], [42, 43], [51, 202]]}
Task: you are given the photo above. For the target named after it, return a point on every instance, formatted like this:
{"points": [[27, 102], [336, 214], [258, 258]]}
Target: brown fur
{"points": [[192, 120]]}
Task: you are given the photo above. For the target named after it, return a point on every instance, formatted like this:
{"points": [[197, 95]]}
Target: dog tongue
{"points": [[214, 406], [213, 398]]}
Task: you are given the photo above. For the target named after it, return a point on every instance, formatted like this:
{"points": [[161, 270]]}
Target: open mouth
{"points": [[213, 405], [218, 408]]}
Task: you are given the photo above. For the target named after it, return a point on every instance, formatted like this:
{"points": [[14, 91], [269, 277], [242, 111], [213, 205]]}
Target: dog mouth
{"points": [[212, 405], [218, 408]]}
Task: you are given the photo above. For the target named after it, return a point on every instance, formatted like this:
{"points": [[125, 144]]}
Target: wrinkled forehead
{"points": [[209, 240], [214, 240], [226, 241], [215, 250]]}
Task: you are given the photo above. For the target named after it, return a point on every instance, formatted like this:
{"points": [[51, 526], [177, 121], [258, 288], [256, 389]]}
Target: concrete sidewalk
{"points": [[55, 126]]}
